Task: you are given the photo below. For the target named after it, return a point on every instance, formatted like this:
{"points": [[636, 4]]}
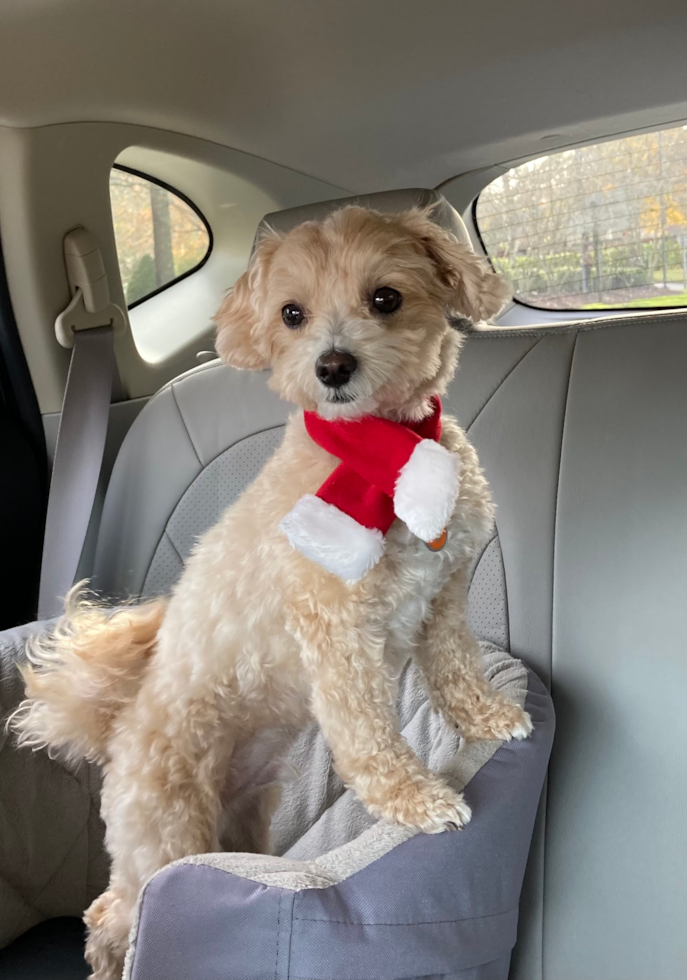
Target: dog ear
{"points": [[475, 290], [240, 341]]}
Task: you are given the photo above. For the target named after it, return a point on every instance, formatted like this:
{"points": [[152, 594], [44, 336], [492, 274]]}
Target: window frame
{"points": [[194, 207], [608, 311]]}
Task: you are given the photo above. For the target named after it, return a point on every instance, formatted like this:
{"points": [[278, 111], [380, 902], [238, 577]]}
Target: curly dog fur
{"points": [[190, 703]]}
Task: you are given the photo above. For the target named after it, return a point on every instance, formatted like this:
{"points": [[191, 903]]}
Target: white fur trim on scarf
{"points": [[331, 538], [427, 488]]}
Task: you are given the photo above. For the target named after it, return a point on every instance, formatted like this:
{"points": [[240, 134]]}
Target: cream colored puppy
{"points": [[187, 703]]}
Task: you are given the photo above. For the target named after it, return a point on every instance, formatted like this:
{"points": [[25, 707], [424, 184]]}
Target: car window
{"points": [[161, 236], [598, 227]]}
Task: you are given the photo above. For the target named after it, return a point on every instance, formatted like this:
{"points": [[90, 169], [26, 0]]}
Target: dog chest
{"points": [[421, 574]]}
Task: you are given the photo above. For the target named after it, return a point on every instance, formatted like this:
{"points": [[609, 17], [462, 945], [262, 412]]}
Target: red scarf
{"points": [[373, 451], [387, 470]]}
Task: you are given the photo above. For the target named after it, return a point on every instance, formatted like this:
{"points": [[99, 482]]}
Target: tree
{"points": [[162, 234], [143, 280], [152, 224], [593, 220]]}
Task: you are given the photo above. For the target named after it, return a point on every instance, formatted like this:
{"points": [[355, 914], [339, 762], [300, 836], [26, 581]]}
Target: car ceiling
{"points": [[363, 94]]}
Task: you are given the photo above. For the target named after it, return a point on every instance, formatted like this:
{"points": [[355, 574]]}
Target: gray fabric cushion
{"points": [[385, 903], [52, 861]]}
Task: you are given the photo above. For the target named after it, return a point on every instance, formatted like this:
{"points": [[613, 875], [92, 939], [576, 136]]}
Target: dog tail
{"points": [[81, 674]]}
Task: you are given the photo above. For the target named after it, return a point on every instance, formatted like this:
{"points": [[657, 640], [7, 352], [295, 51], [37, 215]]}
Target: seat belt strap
{"points": [[88, 326], [76, 467]]}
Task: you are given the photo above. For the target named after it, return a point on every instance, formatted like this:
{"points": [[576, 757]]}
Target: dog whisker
{"points": [[340, 397]]}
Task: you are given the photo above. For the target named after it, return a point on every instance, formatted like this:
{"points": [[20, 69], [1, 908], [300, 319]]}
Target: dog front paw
{"points": [[499, 720], [107, 936], [427, 804]]}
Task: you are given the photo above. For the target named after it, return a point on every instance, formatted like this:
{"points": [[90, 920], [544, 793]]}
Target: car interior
{"points": [[143, 147]]}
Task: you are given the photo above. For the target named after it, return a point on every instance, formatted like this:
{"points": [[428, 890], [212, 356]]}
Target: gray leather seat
{"points": [[582, 431]]}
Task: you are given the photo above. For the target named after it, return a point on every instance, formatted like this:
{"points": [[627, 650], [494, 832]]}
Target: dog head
{"points": [[351, 312]]}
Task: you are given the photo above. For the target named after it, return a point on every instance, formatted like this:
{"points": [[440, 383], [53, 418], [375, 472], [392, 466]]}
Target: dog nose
{"points": [[334, 369]]}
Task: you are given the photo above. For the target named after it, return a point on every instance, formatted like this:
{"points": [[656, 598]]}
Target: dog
{"points": [[188, 703]]}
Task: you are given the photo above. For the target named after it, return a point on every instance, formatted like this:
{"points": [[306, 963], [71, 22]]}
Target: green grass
{"points": [[673, 274], [672, 299]]}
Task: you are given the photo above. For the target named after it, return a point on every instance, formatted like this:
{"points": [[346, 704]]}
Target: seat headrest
{"points": [[391, 201]]}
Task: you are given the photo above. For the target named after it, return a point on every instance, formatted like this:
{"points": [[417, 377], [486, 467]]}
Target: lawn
{"points": [[651, 302]]}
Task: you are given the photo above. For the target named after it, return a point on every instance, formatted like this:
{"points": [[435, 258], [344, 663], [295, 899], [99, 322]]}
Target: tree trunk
{"points": [[162, 235]]}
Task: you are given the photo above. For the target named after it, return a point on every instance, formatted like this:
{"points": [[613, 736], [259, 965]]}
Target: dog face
{"points": [[351, 312]]}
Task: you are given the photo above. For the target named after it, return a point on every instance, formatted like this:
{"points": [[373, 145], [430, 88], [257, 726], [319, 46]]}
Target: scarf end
{"points": [[332, 539], [427, 488]]}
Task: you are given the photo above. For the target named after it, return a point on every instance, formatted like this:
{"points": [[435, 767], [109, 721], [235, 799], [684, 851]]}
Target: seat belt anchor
{"points": [[90, 304]]}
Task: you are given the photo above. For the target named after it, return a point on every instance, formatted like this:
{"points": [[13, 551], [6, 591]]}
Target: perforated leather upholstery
{"points": [[582, 432]]}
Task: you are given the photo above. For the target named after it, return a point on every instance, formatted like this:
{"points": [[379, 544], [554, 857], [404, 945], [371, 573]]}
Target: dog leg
{"points": [[353, 695], [108, 920], [450, 661], [160, 802]]}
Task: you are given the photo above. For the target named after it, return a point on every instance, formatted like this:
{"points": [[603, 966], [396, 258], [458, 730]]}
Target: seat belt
{"points": [[88, 326]]}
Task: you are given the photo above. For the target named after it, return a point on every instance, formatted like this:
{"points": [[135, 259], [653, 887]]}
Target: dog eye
{"points": [[386, 299], [292, 314]]}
